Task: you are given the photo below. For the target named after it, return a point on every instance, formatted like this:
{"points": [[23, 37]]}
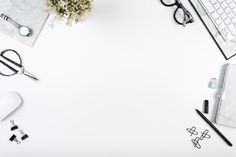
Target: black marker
{"points": [[214, 128]]}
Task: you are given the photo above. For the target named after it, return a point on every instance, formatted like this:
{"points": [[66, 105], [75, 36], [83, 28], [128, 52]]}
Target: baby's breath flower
{"points": [[71, 10]]}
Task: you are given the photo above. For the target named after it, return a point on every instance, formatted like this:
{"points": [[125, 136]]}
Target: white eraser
{"points": [[9, 103]]}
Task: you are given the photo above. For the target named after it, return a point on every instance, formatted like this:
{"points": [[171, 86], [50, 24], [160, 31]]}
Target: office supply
{"points": [[12, 138], [24, 136], [30, 13], [206, 107], [22, 30], [196, 142], [214, 128], [10, 67], [226, 110], [9, 103], [186, 16], [213, 83], [192, 131], [218, 17], [15, 127], [205, 135]]}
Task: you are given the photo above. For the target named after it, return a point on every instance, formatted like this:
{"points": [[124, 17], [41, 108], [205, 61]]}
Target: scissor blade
{"points": [[26, 73]]}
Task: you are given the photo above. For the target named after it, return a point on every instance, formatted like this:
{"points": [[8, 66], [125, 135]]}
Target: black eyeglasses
{"points": [[186, 16]]}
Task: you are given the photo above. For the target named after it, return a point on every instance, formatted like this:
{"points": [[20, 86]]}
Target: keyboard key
{"points": [[222, 26], [227, 10], [227, 21], [220, 11], [234, 11], [231, 15], [228, 1], [224, 5], [215, 15], [213, 1], [224, 32], [229, 37], [232, 5], [216, 6], [234, 20], [232, 29], [224, 16], [219, 21]]}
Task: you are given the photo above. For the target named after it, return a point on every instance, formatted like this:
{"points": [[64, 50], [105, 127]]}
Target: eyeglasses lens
{"points": [[169, 2], [180, 15]]}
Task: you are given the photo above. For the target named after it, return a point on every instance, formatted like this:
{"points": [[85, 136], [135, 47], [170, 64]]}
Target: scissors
{"points": [[9, 67]]}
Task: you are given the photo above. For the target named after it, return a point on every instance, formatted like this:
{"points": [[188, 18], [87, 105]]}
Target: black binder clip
{"points": [[13, 138], [24, 136], [14, 126]]}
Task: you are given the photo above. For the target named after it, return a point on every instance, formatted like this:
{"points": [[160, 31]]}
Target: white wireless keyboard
{"points": [[223, 15]]}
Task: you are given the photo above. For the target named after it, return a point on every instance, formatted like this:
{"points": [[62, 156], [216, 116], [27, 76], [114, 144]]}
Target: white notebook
{"points": [[226, 111]]}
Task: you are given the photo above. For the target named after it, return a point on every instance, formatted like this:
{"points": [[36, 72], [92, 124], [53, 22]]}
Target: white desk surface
{"points": [[125, 82]]}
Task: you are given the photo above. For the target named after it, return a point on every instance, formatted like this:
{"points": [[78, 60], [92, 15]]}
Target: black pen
{"points": [[214, 128]]}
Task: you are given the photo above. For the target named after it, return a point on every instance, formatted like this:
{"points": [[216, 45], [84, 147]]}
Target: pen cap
{"points": [[206, 106]]}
